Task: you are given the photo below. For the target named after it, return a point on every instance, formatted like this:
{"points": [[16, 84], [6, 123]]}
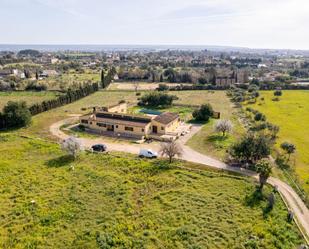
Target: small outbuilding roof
{"points": [[166, 117]]}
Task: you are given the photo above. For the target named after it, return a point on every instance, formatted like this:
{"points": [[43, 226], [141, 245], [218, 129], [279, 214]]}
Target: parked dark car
{"points": [[99, 147]]}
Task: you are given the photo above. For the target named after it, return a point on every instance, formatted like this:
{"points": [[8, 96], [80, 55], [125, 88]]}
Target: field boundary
{"points": [[300, 227]]}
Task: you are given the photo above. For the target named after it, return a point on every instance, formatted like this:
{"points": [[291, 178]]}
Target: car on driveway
{"points": [[148, 153], [99, 147]]}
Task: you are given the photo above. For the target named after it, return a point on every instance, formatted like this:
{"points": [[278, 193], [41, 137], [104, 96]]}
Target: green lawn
{"points": [[207, 141], [291, 113], [41, 122], [119, 201], [29, 97]]}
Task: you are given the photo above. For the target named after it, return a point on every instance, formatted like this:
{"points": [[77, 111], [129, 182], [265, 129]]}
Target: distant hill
{"points": [[98, 48]]}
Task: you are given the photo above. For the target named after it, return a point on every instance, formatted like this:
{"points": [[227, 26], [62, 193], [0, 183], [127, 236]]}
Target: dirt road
{"points": [[292, 199]]}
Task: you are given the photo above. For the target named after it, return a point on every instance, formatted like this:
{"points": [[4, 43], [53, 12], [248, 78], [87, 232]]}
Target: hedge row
{"points": [[69, 97]]}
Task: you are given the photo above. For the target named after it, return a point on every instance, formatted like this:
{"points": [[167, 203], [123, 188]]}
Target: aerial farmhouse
{"points": [[115, 120]]}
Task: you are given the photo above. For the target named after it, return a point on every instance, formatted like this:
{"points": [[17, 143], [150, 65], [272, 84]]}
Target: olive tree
{"points": [[224, 126], [264, 169], [288, 148], [171, 149], [251, 148], [72, 146]]}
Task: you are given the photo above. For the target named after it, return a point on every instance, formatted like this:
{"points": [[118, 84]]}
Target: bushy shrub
{"points": [[81, 127], [16, 114], [203, 113], [278, 93], [259, 117], [5, 86], [157, 99], [32, 86]]}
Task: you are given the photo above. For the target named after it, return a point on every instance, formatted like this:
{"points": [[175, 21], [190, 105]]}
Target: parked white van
{"points": [[148, 153]]}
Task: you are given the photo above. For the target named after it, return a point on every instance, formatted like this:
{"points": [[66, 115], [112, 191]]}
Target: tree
{"points": [[71, 146], [253, 88], [274, 130], [156, 99], [102, 79], [251, 148], [289, 148], [203, 113], [161, 78], [264, 169], [278, 93], [259, 117], [16, 114], [224, 126], [202, 80], [171, 150], [5, 86]]}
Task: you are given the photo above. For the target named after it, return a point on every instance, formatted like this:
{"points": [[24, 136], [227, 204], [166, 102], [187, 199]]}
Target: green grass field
{"points": [[207, 141], [291, 113], [29, 97], [41, 123], [120, 201]]}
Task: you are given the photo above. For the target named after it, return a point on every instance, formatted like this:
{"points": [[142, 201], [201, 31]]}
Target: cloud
{"points": [[250, 23]]}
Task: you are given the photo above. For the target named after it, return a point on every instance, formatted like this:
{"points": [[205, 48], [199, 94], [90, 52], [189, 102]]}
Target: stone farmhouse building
{"points": [[114, 120]]}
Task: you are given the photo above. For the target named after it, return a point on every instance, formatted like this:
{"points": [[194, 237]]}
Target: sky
{"points": [[241, 23]]}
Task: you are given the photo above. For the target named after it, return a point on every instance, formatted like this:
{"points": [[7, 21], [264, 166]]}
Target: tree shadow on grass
{"points": [[159, 166], [60, 161], [197, 122], [267, 210], [255, 198], [217, 138]]}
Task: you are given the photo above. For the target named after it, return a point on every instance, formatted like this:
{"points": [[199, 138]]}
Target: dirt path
{"points": [[294, 202]]}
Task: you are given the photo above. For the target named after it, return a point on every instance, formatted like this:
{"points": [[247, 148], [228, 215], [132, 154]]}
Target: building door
{"points": [[154, 129], [110, 128]]}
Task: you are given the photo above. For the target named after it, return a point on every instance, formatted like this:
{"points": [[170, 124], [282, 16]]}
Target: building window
{"points": [[162, 128], [101, 124], [84, 121], [143, 130], [116, 126], [128, 128]]}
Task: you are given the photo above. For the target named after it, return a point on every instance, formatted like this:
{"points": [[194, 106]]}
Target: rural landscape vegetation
{"points": [[154, 146]]}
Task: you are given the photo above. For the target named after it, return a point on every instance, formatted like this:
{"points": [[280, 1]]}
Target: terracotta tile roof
{"points": [[166, 117]]}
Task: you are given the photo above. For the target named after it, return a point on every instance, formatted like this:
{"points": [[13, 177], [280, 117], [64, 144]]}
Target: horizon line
{"points": [[151, 45]]}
